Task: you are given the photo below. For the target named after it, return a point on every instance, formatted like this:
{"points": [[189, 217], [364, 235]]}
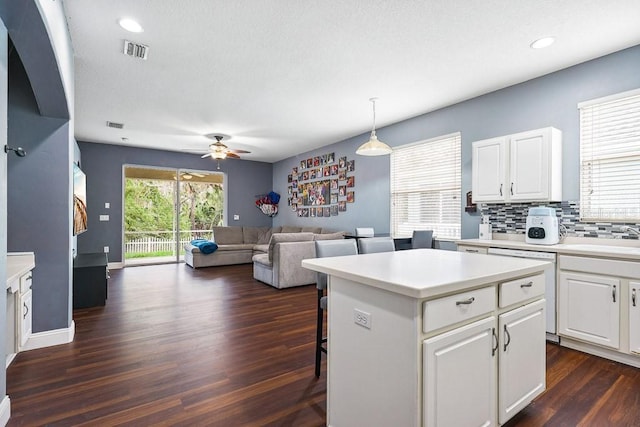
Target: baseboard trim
{"points": [[115, 265], [50, 338], [616, 356], [5, 411]]}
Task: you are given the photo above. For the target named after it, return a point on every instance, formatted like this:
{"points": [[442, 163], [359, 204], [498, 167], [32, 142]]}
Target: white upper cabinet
{"points": [[523, 167]]}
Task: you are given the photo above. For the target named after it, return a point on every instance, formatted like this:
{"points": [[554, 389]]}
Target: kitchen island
{"points": [[431, 337]]}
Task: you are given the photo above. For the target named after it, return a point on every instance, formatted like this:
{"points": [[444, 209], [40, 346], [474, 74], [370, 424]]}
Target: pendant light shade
{"points": [[374, 147]]}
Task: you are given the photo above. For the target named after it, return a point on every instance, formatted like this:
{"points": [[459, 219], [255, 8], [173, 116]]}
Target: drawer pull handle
{"points": [[495, 340], [633, 297], [512, 188], [501, 189], [507, 339], [28, 278], [26, 310], [527, 285], [473, 251], [613, 293], [466, 302]]}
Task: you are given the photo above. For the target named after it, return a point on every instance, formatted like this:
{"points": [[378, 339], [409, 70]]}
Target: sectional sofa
{"points": [[276, 252]]}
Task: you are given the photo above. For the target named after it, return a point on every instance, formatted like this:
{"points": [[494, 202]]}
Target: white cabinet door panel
{"points": [[634, 317], [459, 384], [529, 173], [589, 308], [488, 170], [522, 358]]}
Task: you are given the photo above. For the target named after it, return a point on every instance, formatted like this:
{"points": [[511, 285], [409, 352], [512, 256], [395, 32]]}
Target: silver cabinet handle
{"points": [[501, 189], [473, 251], [511, 189], [507, 338], [495, 340], [633, 297], [466, 302], [26, 310], [613, 293], [527, 285]]}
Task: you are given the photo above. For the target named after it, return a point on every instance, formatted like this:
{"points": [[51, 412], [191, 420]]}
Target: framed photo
{"points": [[342, 175], [342, 206], [319, 212], [303, 165], [334, 210], [326, 171], [334, 199], [334, 169], [294, 171], [331, 157], [342, 190], [351, 197], [309, 163], [351, 165], [326, 211], [312, 174], [342, 163], [351, 181], [289, 178], [334, 184], [316, 161]]}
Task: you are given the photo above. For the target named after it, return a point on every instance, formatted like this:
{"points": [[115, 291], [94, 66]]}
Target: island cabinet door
{"points": [[634, 317], [522, 361], [459, 376]]}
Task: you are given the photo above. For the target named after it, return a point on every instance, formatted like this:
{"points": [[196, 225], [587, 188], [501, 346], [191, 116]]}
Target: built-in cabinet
{"points": [[522, 167], [634, 317], [598, 306], [501, 358], [590, 308], [18, 314]]}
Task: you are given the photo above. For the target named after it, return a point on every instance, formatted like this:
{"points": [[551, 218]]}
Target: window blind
{"points": [[425, 187], [610, 158]]}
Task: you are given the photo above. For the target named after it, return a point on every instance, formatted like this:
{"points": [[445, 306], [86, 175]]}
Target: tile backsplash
{"points": [[511, 218]]}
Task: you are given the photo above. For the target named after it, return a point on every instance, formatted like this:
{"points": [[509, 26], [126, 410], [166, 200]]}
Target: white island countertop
{"points": [[18, 263], [425, 273]]}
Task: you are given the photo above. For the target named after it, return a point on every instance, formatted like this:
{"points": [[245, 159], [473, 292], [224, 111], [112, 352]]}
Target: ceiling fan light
{"points": [[219, 155], [374, 147]]}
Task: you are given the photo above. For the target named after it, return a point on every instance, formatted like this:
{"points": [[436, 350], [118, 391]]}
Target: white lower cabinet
{"points": [[461, 369], [634, 317], [25, 318], [589, 308], [483, 373], [521, 373]]}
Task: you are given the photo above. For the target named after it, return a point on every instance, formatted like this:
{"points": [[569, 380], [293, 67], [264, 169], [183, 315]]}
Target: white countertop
{"points": [[424, 273], [19, 263], [608, 248]]}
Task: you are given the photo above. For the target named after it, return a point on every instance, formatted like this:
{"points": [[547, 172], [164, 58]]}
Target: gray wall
{"points": [[38, 199], [550, 100], [103, 163]]}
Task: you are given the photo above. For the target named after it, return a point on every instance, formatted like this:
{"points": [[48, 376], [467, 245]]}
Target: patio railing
{"points": [[140, 244]]}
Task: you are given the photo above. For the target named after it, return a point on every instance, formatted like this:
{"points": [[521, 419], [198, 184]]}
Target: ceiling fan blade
{"points": [[206, 155], [233, 156], [239, 151]]}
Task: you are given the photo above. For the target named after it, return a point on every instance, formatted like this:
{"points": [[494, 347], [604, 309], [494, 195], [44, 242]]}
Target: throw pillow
{"points": [[329, 236]]}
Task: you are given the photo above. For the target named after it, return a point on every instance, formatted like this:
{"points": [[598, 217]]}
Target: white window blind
{"points": [[425, 187], [610, 158]]}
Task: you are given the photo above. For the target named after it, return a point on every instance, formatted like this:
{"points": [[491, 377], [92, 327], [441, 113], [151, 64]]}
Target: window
{"points": [[610, 158], [425, 187]]}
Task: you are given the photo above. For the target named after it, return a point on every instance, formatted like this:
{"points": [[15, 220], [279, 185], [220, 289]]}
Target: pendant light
{"points": [[373, 147]]}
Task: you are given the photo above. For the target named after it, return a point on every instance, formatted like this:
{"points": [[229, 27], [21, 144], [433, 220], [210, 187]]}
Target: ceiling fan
{"points": [[219, 151]]}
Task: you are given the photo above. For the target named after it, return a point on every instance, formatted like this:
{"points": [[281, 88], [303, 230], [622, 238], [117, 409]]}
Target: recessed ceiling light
{"points": [[542, 43], [130, 25]]}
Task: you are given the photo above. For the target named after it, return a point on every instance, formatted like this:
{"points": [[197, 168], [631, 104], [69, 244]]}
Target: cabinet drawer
{"points": [[457, 308], [25, 282], [520, 290], [472, 249]]}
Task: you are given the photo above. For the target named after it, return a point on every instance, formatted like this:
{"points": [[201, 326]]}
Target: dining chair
{"points": [[422, 239], [324, 249], [364, 232], [376, 244]]}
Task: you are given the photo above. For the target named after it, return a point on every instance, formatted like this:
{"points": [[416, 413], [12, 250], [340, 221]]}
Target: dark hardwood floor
{"points": [[213, 347]]}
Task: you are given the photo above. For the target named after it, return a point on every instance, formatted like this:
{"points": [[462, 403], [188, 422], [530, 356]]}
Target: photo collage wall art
{"points": [[321, 186]]}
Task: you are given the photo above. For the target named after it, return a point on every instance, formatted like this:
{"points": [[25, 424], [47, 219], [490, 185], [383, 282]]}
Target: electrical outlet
{"points": [[362, 318], [106, 249]]}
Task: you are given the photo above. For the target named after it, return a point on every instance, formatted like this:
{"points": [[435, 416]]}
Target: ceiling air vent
{"points": [[115, 125], [136, 50]]}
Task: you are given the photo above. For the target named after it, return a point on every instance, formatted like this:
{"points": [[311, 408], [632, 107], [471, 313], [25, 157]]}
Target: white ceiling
{"points": [[282, 77]]}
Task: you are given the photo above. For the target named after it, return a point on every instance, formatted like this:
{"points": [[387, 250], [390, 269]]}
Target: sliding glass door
{"points": [[166, 208]]}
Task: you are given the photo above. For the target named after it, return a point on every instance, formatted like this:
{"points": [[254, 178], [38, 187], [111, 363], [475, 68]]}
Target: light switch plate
{"points": [[107, 205], [236, 217], [104, 217]]}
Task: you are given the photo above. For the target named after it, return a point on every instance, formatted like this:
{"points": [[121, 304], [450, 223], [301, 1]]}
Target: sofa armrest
{"points": [[287, 263]]}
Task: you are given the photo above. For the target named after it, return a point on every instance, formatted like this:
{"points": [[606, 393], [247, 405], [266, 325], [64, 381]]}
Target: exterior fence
{"points": [[151, 242]]}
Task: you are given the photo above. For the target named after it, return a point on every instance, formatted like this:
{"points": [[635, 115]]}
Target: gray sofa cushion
{"points": [[253, 234], [329, 236], [227, 235], [315, 230], [287, 237], [261, 248]]}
